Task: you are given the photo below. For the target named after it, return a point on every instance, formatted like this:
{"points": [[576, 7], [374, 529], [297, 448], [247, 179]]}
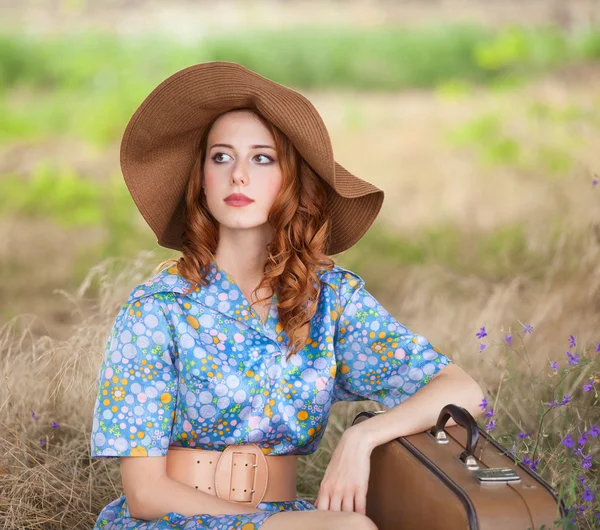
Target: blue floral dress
{"points": [[204, 371]]}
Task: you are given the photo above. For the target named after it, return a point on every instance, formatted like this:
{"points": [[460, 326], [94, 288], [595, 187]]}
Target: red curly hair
{"points": [[296, 255]]}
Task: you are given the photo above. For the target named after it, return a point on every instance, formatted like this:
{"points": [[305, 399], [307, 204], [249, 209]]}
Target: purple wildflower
{"points": [[586, 463], [42, 443], [513, 449], [554, 365], [489, 413], [55, 425], [523, 435], [481, 333], [571, 341], [491, 425], [531, 465], [565, 399], [527, 328], [33, 415], [589, 386], [482, 347], [581, 479], [567, 441], [483, 404], [598, 348], [594, 431], [588, 496], [594, 182], [573, 359], [552, 404], [508, 338], [583, 439]]}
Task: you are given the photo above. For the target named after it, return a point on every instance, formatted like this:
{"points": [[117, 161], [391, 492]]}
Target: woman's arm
{"points": [[151, 494], [421, 410]]}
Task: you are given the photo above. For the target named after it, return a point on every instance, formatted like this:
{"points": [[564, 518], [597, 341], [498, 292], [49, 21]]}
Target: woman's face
{"points": [[241, 158]]}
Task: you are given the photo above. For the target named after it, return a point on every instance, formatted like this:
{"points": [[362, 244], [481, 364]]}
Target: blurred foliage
{"points": [[309, 57], [59, 195], [87, 85], [494, 254], [497, 141]]}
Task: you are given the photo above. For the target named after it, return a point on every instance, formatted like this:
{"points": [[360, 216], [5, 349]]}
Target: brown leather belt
{"points": [[240, 473]]}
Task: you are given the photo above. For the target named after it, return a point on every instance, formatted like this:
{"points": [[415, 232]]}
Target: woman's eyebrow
{"points": [[257, 146]]}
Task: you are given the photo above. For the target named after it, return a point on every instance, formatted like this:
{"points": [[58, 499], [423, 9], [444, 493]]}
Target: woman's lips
{"points": [[238, 202]]}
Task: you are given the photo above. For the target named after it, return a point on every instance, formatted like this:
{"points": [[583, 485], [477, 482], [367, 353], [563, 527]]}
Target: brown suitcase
{"points": [[430, 480]]}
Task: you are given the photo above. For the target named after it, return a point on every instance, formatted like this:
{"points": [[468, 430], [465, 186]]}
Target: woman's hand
{"points": [[344, 484]]}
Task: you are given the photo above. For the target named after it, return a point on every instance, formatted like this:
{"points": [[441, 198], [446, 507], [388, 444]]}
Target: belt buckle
{"points": [[241, 474]]}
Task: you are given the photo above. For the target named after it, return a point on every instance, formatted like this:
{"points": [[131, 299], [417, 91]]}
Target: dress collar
{"points": [[222, 294]]}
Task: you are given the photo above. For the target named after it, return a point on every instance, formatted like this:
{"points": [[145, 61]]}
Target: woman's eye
{"points": [[216, 155], [214, 158], [268, 157]]}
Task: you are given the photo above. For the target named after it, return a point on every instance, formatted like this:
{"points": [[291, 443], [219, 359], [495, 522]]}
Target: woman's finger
{"points": [[323, 502], [360, 502], [348, 502], [335, 502]]}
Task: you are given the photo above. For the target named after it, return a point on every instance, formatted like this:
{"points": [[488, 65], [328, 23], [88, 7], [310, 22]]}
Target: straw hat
{"points": [[161, 143]]}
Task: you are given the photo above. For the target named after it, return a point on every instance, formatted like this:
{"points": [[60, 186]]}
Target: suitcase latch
{"points": [[496, 475]]}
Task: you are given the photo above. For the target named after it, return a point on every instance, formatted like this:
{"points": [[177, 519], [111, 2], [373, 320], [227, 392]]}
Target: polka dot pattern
{"points": [[377, 357], [204, 371]]}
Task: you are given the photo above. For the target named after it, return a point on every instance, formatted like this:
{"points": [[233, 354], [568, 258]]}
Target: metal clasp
{"points": [[469, 461], [253, 476], [439, 437]]}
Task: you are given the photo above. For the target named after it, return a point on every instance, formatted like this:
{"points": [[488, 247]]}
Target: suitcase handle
{"points": [[463, 418]]}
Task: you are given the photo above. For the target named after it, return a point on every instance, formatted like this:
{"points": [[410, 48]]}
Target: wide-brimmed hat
{"points": [[161, 143]]}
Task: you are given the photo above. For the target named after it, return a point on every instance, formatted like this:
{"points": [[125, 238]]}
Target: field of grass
{"points": [[485, 142]]}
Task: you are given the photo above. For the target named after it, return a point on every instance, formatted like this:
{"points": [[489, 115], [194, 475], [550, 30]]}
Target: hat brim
{"points": [[160, 145]]}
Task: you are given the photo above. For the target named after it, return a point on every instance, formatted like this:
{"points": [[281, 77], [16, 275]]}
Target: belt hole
{"points": [[210, 462], [208, 487], [246, 465], [198, 462], [196, 487]]}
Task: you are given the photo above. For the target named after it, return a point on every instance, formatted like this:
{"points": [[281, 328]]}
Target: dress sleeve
{"points": [[135, 402], [378, 358]]}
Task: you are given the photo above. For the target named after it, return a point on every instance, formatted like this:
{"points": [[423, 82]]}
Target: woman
{"points": [[235, 353]]}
